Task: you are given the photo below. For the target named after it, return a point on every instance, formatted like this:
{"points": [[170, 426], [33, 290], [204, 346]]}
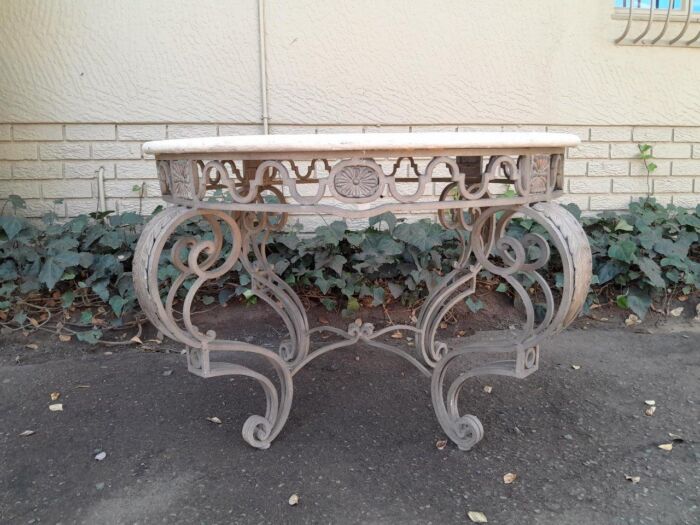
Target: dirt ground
{"points": [[360, 444]]}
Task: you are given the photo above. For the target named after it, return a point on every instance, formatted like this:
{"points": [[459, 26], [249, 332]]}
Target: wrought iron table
{"points": [[224, 180]]}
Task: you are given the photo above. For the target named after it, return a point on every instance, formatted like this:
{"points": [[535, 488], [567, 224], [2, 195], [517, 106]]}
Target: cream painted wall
{"points": [[337, 62]]}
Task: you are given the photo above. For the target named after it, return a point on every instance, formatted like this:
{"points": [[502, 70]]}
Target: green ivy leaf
{"points": [[51, 272], [502, 288], [377, 296], [20, 318], [623, 225], [623, 250], [388, 218], [67, 259], [396, 289], [8, 270], [100, 288], [474, 305], [225, 295], [7, 288], [86, 317], [90, 336], [12, 225], [639, 302], [329, 304], [424, 235], [67, 299], [652, 271], [608, 271], [18, 203], [353, 304], [322, 284], [112, 239], [117, 303], [621, 301]]}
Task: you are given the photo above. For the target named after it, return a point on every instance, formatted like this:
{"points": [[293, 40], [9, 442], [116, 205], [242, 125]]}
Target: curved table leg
{"points": [[273, 290], [453, 288], [198, 261], [511, 254]]}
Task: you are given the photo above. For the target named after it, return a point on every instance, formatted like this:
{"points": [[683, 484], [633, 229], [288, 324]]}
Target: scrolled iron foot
{"points": [[466, 430], [256, 432]]}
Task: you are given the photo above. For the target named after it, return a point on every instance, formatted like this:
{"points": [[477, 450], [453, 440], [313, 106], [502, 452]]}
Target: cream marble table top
{"points": [[362, 142]]}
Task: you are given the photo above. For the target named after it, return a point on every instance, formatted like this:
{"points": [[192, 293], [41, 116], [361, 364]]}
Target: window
{"points": [[680, 6], [658, 22]]}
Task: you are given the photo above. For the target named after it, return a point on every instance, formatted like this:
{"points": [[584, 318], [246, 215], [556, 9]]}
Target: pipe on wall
{"points": [[263, 67], [102, 203]]}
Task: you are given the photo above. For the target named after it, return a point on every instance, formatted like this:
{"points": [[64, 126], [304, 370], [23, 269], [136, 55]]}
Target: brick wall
{"points": [[53, 166]]}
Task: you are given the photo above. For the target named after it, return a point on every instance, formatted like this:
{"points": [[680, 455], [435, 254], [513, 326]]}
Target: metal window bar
{"points": [[661, 17]]}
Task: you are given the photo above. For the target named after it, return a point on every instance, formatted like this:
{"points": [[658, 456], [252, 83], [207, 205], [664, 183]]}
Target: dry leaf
{"points": [[33, 322], [27, 433], [101, 456], [649, 411], [64, 338], [666, 446], [109, 353], [677, 312], [136, 340], [214, 419], [576, 367], [488, 389], [675, 437], [441, 444], [56, 407], [396, 335], [633, 479], [632, 320], [650, 402], [509, 478], [461, 333], [443, 326], [323, 320], [32, 346], [477, 517], [55, 396], [293, 500]]}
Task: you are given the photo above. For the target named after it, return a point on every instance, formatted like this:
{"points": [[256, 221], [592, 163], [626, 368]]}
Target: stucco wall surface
{"points": [[337, 62]]}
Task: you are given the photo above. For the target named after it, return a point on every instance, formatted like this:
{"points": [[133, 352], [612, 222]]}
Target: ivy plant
{"points": [[79, 271]]}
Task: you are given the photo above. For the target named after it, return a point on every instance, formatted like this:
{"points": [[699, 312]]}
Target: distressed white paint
{"points": [[333, 62]]}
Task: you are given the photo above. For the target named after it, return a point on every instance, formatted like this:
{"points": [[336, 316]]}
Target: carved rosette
{"points": [[357, 180]]}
